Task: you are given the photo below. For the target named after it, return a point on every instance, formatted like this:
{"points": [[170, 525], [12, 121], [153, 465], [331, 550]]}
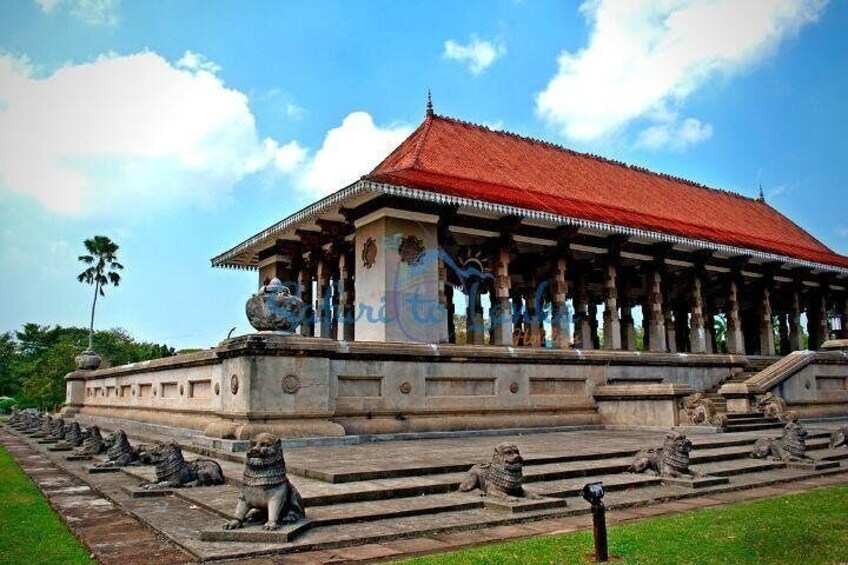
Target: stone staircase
{"points": [[389, 490], [755, 365]]}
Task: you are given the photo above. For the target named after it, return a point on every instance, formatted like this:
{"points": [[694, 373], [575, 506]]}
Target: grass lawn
{"points": [[804, 529], [30, 532]]}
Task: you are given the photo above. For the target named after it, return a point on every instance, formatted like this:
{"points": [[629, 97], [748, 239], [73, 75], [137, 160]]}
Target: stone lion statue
{"points": [[791, 446], [697, 410], [59, 430], [46, 427], [73, 436], [119, 452], [839, 437], [502, 476], [671, 460], [34, 424], [267, 487], [173, 471], [92, 444], [14, 416], [772, 406]]}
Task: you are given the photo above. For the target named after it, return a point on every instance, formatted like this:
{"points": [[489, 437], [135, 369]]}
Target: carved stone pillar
{"points": [[697, 336], [582, 323], [670, 317], [451, 312], [612, 322], [560, 326], [628, 330], [324, 305], [735, 341], [817, 321], [766, 329], [307, 329], [346, 301], [532, 303], [794, 322], [709, 330], [653, 312], [502, 321], [474, 316]]}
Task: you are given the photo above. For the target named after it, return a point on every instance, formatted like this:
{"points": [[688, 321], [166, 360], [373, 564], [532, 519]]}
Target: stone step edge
{"points": [[509, 519]]}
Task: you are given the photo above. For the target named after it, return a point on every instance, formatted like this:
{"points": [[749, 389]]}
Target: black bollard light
{"points": [[593, 493]]}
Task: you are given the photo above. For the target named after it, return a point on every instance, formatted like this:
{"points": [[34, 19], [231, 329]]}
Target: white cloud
{"points": [[349, 151], [196, 62], [294, 111], [841, 231], [92, 12], [126, 133], [289, 157], [644, 56], [675, 134], [479, 54]]}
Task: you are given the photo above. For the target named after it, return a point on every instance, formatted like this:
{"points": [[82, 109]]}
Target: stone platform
{"points": [[388, 491]]}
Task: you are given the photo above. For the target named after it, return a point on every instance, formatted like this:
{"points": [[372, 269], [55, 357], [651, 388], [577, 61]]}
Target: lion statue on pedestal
{"points": [[502, 476], [267, 487], [791, 446], [173, 471], [671, 460]]}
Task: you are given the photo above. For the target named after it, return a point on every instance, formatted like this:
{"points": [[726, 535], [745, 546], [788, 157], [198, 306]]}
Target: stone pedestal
{"points": [[397, 277]]}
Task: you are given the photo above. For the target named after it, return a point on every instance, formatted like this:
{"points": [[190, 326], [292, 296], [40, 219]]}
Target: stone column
{"points": [[766, 329], [794, 320], [532, 323], [346, 303], [474, 315], [653, 312], [843, 318], [612, 322], [307, 329], [709, 330], [502, 321], [628, 331], [817, 321], [324, 306], [697, 336], [582, 323], [560, 326], [670, 317], [593, 324], [451, 311], [735, 341]]}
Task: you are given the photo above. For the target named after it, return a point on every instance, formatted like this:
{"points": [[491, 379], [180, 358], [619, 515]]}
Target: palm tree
{"points": [[103, 261]]}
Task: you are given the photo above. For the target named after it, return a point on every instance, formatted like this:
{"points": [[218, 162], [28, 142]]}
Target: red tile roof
{"points": [[452, 157]]}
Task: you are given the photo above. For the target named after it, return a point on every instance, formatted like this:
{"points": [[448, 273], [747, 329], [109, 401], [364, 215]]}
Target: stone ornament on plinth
{"points": [[88, 360], [274, 308]]}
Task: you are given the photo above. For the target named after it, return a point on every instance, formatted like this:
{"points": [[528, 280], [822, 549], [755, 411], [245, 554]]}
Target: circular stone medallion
{"points": [[513, 387], [291, 384], [217, 389], [405, 387], [234, 384]]}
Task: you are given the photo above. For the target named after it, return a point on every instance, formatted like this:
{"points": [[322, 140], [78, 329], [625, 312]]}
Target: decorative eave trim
{"points": [[363, 186]]}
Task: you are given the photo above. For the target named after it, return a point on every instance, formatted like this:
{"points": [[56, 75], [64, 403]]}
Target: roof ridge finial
{"points": [[429, 103], [761, 197]]}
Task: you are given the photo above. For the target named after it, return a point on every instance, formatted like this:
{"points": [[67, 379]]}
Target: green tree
{"points": [[102, 271]]}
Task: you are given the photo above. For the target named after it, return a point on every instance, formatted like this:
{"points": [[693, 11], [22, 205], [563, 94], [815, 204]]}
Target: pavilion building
{"points": [[551, 236]]}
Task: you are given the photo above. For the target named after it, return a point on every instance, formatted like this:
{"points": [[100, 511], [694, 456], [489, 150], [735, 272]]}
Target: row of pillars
{"points": [[687, 326]]}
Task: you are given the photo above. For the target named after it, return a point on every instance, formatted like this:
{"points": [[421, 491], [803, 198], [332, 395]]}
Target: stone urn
{"points": [[88, 360], [274, 308]]}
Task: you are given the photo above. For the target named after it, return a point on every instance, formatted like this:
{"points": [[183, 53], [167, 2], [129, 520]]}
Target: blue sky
{"points": [[179, 129]]}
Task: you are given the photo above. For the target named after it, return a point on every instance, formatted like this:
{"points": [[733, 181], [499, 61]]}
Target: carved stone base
{"points": [[285, 533], [812, 465]]}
